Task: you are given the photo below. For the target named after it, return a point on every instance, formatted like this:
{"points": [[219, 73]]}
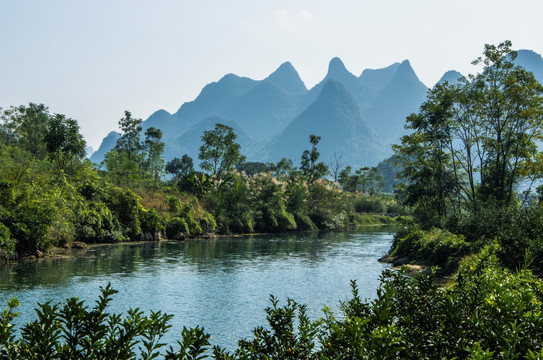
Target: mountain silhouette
{"points": [[337, 71], [264, 111], [531, 61], [399, 98], [189, 142], [336, 118], [452, 77], [356, 117], [107, 144], [209, 102], [287, 78], [378, 78]]}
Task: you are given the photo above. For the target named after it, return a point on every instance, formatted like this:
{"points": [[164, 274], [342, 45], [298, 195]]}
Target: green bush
{"points": [[96, 224], [125, 205], [521, 241], [73, 331], [173, 203], [369, 205], [7, 244], [176, 226], [433, 247], [395, 208], [230, 203], [151, 223]]}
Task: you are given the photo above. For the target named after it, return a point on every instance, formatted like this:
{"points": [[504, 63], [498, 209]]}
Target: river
{"points": [[222, 284]]}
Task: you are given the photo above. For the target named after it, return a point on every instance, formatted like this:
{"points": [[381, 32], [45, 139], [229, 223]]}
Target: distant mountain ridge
{"points": [[336, 117], [357, 118]]}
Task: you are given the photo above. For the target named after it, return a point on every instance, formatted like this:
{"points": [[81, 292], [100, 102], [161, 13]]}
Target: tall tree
{"points": [[129, 142], [180, 167], [511, 119], [65, 144], [311, 168], [372, 181], [153, 149], [126, 161], [26, 125], [431, 185], [219, 151]]}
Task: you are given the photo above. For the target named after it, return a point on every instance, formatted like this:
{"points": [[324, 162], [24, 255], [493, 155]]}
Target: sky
{"points": [[92, 60]]}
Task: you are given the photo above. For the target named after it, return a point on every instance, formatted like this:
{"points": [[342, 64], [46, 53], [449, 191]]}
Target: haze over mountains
{"points": [[357, 118]]}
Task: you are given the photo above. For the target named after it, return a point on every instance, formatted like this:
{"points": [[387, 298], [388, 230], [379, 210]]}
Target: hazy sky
{"points": [[91, 60]]}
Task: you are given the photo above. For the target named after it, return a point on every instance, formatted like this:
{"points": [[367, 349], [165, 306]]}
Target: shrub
{"points": [[176, 226], [434, 247], [124, 204], [521, 241], [7, 244], [96, 224], [369, 205], [173, 203], [151, 223], [395, 208]]}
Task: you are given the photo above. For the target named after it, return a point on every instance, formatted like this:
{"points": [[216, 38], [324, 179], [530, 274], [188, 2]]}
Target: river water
{"points": [[222, 284]]}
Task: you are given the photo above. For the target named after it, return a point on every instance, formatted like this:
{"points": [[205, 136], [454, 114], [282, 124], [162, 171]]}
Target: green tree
{"points": [[285, 169], [353, 181], [474, 140], [431, 183], [126, 161], [153, 149], [129, 142], [345, 179], [25, 127], [510, 115], [311, 168], [65, 144], [180, 167], [219, 151], [372, 181]]}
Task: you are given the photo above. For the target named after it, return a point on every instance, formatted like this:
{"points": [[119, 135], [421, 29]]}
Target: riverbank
{"points": [[78, 247]]}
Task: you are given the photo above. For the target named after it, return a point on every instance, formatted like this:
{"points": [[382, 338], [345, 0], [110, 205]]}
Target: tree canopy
{"points": [[219, 151], [474, 141]]}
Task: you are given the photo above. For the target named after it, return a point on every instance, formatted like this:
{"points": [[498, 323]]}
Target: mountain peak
{"points": [[336, 67], [286, 77], [529, 54], [285, 67], [451, 76], [531, 61], [160, 112], [406, 73], [406, 67]]}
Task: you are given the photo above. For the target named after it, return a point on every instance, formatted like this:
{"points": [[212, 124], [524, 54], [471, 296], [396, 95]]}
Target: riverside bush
{"points": [[434, 247], [369, 205]]}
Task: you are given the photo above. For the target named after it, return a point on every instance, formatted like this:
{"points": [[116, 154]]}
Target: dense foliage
{"points": [[472, 144], [52, 196], [474, 141]]}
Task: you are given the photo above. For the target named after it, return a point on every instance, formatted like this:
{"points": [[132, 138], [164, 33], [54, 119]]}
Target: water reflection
{"points": [[222, 284]]}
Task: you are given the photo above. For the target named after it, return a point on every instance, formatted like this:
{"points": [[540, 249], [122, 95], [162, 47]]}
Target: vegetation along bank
{"points": [[51, 195]]}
